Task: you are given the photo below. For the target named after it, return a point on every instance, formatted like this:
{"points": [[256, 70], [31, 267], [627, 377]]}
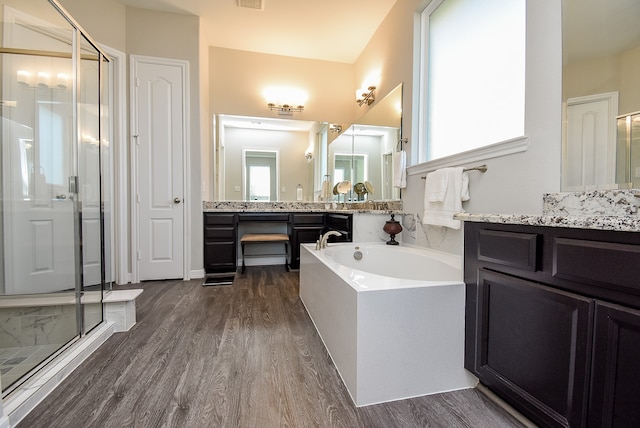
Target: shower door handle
{"points": [[61, 196]]}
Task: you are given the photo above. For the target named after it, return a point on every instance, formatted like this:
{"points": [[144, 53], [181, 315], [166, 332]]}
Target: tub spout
{"points": [[323, 238]]}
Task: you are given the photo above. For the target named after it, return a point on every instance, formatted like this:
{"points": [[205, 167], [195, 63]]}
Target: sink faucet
{"points": [[323, 238]]}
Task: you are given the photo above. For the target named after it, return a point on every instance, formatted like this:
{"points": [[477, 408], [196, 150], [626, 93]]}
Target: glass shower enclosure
{"points": [[52, 234]]}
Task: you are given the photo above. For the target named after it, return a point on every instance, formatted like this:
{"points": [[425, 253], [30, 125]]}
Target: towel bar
{"points": [[481, 168]]}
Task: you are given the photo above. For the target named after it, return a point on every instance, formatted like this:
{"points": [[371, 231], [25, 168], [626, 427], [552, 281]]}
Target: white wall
{"points": [[238, 79], [514, 184]]}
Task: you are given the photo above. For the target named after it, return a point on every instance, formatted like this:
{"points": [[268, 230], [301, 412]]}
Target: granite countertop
{"points": [[370, 207], [599, 222]]}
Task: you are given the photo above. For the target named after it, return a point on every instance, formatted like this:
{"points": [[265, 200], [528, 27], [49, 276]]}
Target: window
{"points": [[472, 75]]}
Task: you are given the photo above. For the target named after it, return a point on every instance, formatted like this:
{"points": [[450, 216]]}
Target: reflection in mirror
{"points": [[260, 173], [293, 147], [307, 155], [601, 88], [374, 138]]}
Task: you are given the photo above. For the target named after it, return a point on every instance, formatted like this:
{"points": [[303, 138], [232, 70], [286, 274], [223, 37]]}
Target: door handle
{"points": [[176, 200], [61, 196]]}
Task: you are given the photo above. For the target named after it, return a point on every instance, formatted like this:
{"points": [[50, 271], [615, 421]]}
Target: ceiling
{"points": [[329, 30]]}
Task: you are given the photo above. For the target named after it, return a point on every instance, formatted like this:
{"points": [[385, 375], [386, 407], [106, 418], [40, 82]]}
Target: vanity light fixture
{"points": [[366, 96], [335, 128], [284, 109], [42, 80], [285, 100]]}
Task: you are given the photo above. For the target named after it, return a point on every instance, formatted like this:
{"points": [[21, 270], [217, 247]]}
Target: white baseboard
{"points": [[24, 399], [197, 274]]}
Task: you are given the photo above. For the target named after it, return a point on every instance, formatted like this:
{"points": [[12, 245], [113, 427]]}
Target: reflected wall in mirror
{"points": [[285, 150], [375, 137], [309, 154], [601, 88]]}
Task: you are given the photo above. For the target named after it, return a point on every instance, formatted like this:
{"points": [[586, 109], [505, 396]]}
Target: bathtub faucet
{"points": [[323, 238]]}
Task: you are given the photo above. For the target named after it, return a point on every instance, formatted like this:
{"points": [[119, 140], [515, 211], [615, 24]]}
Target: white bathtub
{"points": [[393, 322]]}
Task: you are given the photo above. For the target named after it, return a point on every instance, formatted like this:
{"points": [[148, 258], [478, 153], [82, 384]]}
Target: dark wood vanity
{"points": [[221, 233], [553, 321]]}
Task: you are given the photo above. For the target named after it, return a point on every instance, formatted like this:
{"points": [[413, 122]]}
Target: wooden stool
{"points": [[266, 238]]}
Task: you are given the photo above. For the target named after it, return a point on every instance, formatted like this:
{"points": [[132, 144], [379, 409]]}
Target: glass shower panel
{"points": [[38, 206], [89, 180]]}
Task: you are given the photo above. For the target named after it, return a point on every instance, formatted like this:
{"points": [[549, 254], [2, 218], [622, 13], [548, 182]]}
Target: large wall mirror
{"points": [[277, 159], [601, 94], [371, 141]]}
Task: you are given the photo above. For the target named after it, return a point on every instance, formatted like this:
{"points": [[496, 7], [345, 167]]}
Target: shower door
{"points": [[51, 257]]}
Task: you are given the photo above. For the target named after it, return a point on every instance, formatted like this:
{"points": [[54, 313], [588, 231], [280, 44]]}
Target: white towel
{"points": [[400, 169], [435, 188], [443, 196]]}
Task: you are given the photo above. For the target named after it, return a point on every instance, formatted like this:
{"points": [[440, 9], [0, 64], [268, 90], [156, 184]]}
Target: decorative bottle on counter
{"points": [[392, 227]]}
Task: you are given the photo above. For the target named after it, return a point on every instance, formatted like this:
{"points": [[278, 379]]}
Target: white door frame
{"points": [[135, 60], [119, 184]]}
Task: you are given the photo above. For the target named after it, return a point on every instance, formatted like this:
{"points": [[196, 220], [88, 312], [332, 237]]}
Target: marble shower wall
{"points": [[33, 326]]}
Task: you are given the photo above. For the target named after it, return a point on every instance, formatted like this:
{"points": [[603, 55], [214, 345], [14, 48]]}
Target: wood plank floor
{"points": [[241, 355]]}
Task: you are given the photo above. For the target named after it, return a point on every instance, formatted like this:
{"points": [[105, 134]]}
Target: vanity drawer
{"points": [[219, 234], [513, 249], [339, 221], [603, 264], [308, 219], [216, 218], [259, 217]]}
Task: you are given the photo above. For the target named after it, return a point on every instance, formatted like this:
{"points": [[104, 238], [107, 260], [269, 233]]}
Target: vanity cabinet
{"points": [[306, 228], [220, 242], [342, 223], [553, 321], [221, 233]]}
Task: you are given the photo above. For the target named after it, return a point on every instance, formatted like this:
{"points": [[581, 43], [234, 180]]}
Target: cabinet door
{"points": [[302, 235], [342, 223], [533, 345], [615, 387]]}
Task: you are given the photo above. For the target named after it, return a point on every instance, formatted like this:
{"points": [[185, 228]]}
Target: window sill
{"points": [[503, 148]]}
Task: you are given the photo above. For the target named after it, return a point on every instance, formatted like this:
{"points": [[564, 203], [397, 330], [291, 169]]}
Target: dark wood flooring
{"points": [[241, 355]]}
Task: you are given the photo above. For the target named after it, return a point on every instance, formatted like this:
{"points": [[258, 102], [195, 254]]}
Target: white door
{"points": [[589, 150], [39, 213], [159, 136]]}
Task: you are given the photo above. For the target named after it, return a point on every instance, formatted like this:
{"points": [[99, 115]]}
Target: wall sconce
{"points": [[335, 128], [284, 109], [365, 96], [308, 155]]}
